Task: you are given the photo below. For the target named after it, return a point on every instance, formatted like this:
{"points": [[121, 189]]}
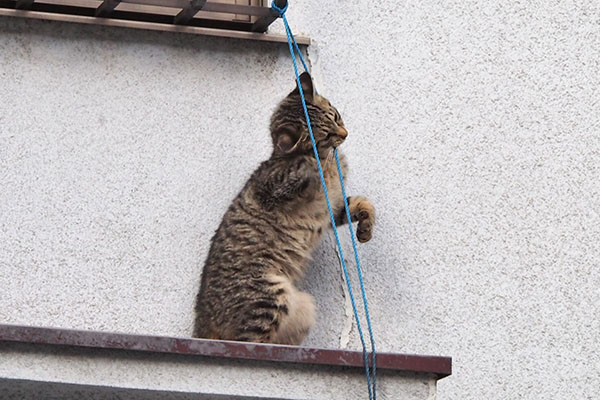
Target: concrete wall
{"points": [[473, 128]]}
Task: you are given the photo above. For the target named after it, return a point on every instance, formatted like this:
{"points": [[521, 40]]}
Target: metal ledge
{"points": [[440, 367]]}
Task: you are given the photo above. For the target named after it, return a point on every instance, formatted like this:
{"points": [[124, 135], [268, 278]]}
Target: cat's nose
{"points": [[342, 132]]}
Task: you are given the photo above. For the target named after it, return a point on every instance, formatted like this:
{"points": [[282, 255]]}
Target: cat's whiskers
{"points": [[329, 157]]}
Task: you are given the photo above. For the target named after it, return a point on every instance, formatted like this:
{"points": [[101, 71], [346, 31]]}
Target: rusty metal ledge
{"points": [[438, 366]]}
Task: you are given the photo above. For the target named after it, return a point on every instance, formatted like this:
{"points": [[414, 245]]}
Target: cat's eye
{"points": [[338, 118]]}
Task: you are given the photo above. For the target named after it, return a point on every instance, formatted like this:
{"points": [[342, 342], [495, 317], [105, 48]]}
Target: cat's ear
{"points": [[308, 88], [288, 137]]}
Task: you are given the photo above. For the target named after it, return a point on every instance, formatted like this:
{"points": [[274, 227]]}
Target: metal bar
{"points": [[160, 3], [256, 11], [208, 6], [237, 9], [53, 15], [242, 17], [106, 8], [191, 9], [188, 12], [439, 366], [24, 4], [262, 24]]}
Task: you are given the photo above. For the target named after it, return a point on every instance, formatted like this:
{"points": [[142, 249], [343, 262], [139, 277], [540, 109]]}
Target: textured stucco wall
{"points": [[473, 128]]}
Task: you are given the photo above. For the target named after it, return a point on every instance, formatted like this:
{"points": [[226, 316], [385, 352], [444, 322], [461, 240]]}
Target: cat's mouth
{"points": [[337, 138], [337, 141]]}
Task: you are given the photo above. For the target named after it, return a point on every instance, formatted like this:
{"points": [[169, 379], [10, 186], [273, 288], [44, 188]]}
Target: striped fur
{"points": [[265, 240]]}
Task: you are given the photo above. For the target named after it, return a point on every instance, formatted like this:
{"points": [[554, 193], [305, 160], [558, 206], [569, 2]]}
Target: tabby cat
{"points": [[264, 243]]}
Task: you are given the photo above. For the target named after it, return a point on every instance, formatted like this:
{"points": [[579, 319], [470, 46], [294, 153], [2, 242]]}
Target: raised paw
{"points": [[362, 210]]}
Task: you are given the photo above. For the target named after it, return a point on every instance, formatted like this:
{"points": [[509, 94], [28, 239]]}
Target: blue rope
{"points": [[360, 279], [370, 376]]}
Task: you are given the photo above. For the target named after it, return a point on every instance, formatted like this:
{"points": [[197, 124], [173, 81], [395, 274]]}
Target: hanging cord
{"points": [[371, 377]]}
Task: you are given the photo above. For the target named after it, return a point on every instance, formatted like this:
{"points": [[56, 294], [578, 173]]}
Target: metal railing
{"points": [[248, 20]]}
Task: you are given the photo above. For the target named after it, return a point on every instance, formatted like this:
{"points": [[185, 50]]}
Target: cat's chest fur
{"points": [[312, 217], [315, 210], [302, 223]]}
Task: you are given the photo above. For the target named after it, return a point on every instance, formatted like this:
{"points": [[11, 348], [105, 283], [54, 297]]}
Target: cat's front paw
{"points": [[365, 215]]}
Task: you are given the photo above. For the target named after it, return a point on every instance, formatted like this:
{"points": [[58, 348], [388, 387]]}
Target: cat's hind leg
{"points": [[284, 318], [298, 316], [294, 326]]}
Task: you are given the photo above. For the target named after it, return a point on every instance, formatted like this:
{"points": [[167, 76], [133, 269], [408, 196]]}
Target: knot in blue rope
{"points": [[281, 11]]}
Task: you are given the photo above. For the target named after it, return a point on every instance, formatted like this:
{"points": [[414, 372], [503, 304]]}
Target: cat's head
{"points": [[289, 130]]}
